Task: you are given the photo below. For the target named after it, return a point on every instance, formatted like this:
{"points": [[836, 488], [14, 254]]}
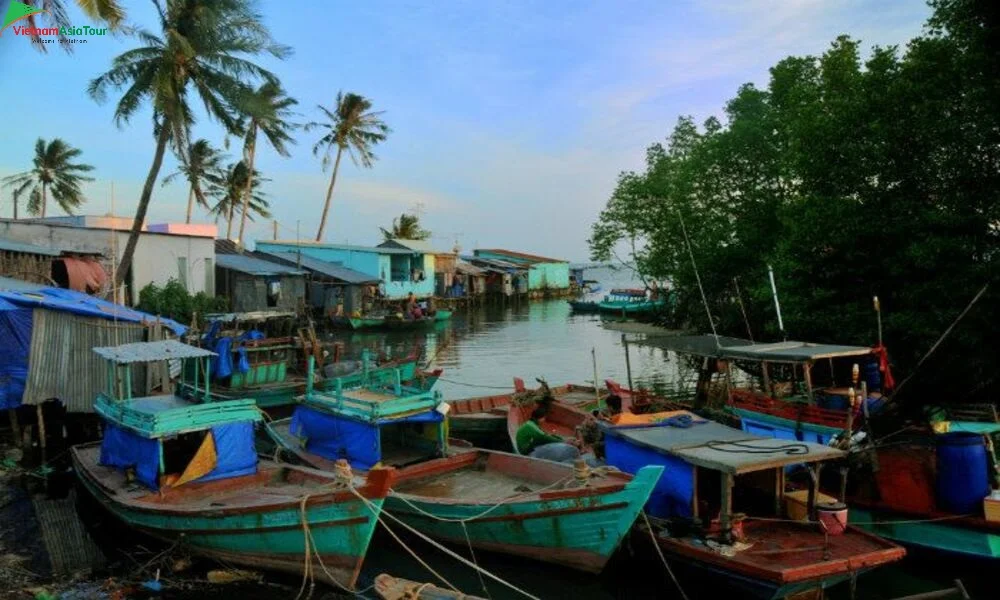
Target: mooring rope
{"points": [[659, 551]]}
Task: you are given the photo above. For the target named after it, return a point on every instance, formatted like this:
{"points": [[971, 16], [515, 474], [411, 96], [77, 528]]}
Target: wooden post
{"points": [[843, 484], [779, 490], [726, 512], [767, 379], [597, 388], [807, 374], [41, 425], [275, 233], [310, 373], [628, 363], [15, 428], [694, 492], [814, 471]]}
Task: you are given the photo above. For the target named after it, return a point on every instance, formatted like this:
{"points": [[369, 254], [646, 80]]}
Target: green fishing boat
{"points": [[629, 302], [178, 470], [393, 321], [559, 513]]}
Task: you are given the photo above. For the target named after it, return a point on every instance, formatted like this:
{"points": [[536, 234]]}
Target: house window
{"points": [[182, 271], [209, 276], [399, 267]]}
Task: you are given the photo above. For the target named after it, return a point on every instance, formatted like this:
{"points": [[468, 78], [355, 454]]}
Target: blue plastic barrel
{"points": [[962, 472]]}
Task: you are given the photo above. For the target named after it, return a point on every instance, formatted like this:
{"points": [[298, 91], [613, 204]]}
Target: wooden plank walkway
{"points": [[69, 546]]}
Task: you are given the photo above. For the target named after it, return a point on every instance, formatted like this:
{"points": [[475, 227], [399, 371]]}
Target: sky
{"points": [[511, 119]]}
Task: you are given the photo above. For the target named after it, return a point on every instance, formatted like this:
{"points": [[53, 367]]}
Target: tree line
{"points": [[202, 49], [853, 177]]}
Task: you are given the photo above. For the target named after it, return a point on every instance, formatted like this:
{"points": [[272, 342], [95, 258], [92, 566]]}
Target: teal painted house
{"points": [[398, 270], [544, 274]]}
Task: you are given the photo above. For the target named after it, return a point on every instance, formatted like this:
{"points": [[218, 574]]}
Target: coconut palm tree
{"points": [[230, 192], [55, 15], [267, 112], [201, 166], [406, 227], [54, 171], [201, 48], [351, 126]]}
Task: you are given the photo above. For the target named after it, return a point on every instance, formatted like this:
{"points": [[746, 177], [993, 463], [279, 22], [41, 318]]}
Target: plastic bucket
{"points": [[833, 517]]}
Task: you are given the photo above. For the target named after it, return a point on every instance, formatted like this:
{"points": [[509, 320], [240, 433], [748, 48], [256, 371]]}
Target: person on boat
{"points": [[612, 408], [412, 309], [533, 441]]}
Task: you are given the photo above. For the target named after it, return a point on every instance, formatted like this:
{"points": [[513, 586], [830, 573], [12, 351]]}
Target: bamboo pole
{"points": [[41, 425]]}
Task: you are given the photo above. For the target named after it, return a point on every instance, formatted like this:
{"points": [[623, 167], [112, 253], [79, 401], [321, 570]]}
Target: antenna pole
{"points": [[697, 277], [777, 305], [739, 298]]}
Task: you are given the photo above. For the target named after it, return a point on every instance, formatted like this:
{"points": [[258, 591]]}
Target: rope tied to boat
{"points": [[380, 513]]}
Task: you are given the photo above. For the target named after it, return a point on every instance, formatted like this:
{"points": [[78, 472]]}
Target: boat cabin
{"points": [[626, 295], [374, 424], [164, 439]]}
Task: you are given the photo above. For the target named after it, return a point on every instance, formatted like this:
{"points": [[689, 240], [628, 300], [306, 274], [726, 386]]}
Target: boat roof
{"points": [[257, 315], [166, 415], [737, 348], [144, 352], [718, 447], [628, 292]]}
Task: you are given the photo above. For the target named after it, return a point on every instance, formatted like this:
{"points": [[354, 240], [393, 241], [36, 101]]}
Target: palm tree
{"points": [[349, 126], [55, 15], [201, 46], [202, 165], [230, 192], [406, 227], [54, 170], [267, 113]]}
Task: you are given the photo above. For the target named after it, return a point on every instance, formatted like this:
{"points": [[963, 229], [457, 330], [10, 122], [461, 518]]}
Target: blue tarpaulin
{"points": [[122, 448], [81, 304], [235, 451], [674, 491], [336, 437], [15, 347]]}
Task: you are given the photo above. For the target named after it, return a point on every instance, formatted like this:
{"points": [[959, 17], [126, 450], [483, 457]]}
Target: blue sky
{"points": [[511, 119]]}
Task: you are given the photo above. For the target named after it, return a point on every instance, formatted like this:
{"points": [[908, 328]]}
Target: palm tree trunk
{"points": [[229, 220], [246, 193], [329, 194], [45, 188], [140, 211], [190, 205]]}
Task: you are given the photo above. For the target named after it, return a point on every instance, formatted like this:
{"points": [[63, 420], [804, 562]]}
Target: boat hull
{"points": [[939, 536], [270, 537], [580, 531]]}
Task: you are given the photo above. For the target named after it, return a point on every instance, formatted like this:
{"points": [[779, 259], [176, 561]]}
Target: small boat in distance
{"points": [[177, 470], [391, 321], [630, 302]]}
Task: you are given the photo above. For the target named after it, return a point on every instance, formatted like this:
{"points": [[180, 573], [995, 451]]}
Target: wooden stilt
{"points": [[15, 428], [41, 425]]}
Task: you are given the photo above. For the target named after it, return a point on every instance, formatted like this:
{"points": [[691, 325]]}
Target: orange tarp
{"points": [[651, 418], [202, 464]]}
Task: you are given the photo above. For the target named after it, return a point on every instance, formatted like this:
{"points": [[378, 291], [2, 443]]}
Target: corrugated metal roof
{"points": [[495, 264], [531, 258], [468, 269], [12, 246], [254, 266], [422, 246], [291, 244], [324, 267], [150, 351]]}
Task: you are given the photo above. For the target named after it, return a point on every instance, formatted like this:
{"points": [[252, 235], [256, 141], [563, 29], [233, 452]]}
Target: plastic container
{"points": [[833, 517], [962, 472]]}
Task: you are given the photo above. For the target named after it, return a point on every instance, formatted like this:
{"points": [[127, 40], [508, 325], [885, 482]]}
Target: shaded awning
{"points": [[141, 352]]}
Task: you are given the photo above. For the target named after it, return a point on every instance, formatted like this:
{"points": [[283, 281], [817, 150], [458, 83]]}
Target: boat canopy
{"points": [[251, 317], [737, 348], [714, 446], [145, 352]]}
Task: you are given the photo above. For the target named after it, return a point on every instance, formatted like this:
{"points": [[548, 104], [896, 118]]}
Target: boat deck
{"points": [[470, 484], [786, 552], [273, 484]]}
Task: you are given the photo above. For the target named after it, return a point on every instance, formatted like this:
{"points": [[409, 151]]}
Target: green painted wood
{"points": [[584, 532], [941, 536], [182, 418]]}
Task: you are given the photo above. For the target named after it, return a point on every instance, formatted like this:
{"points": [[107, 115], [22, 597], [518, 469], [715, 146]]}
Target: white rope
{"points": [[503, 502], [379, 513]]}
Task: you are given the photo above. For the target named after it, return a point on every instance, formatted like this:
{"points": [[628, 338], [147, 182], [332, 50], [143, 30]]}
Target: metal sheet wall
{"points": [[62, 365]]}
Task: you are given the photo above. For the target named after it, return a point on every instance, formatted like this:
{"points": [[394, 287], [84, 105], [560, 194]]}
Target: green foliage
{"points": [[54, 173], [173, 301], [853, 178], [406, 227]]}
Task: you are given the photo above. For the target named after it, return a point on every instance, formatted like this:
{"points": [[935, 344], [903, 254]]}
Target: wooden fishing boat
{"points": [[181, 471], [629, 302], [396, 588], [492, 500], [722, 510], [391, 321], [910, 498]]}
